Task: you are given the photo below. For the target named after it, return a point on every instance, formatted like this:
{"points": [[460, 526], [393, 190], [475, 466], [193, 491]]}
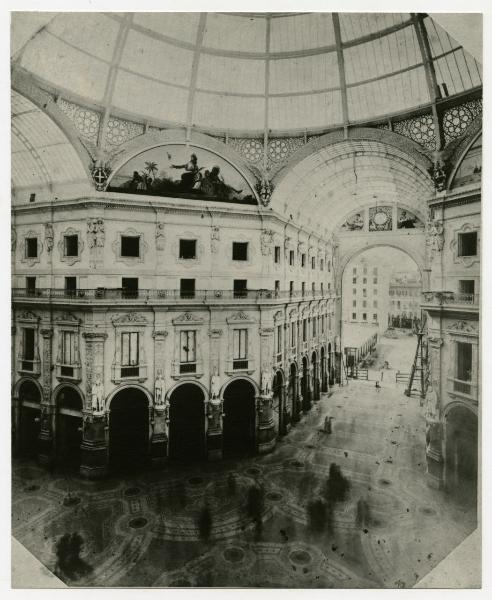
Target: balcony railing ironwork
{"points": [[443, 298], [102, 293]]}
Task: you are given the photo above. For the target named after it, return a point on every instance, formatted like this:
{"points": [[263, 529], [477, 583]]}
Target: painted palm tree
{"points": [[151, 168]]}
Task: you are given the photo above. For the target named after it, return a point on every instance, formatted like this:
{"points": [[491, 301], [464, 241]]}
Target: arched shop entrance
{"points": [[292, 391], [324, 378], [129, 430], [187, 422], [461, 456], [305, 391], [279, 409], [68, 426], [316, 382], [29, 418], [331, 370], [239, 424]]}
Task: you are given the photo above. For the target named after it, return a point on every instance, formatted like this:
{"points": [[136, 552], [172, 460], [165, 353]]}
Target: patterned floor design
{"points": [[143, 531]]}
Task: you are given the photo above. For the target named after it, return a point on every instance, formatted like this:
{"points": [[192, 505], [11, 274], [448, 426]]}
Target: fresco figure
{"points": [[192, 175]]}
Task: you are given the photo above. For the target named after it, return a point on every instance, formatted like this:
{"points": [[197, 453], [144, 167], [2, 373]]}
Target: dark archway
{"points": [[68, 426], [293, 394], [324, 377], [279, 408], [305, 391], [461, 459], [316, 382], [129, 430], [29, 418], [331, 370], [239, 425], [187, 423]]}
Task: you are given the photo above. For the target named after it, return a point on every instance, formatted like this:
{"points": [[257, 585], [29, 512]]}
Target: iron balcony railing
{"points": [[450, 298], [102, 293]]}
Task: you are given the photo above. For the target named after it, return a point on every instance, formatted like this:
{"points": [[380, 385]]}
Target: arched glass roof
{"points": [[247, 72]]}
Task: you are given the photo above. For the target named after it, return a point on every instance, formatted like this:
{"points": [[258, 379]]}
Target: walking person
{"points": [[378, 387]]}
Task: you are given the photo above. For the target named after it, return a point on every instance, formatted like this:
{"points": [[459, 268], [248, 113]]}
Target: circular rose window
{"points": [[380, 218]]}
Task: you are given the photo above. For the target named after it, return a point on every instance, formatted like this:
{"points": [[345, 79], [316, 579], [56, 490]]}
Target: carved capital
{"points": [[47, 333], [161, 334], [95, 336], [215, 333], [266, 331]]}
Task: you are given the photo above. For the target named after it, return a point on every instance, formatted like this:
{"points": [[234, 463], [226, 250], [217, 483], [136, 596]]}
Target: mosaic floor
{"points": [[145, 531]]}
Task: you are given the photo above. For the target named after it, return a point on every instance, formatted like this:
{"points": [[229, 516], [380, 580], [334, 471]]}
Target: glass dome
{"points": [[247, 72]]}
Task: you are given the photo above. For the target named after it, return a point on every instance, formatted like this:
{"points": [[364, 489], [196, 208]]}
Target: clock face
{"points": [[380, 218]]}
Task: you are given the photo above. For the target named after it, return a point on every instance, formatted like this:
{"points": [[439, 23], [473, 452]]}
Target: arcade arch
{"points": [[239, 422]]}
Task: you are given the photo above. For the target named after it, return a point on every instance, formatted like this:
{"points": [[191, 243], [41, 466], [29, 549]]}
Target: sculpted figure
{"points": [[265, 382], [97, 393], [215, 385], [159, 389]]}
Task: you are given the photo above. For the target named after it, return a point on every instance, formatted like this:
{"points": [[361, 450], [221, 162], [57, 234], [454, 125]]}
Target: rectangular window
{"points": [[129, 287], [68, 347], [364, 293], [187, 249], [279, 340], [187, 288], [292, 335], [314, 326], [303, 260], [31, 285], [304, 330], [187, 357], [32, 197], [277, 254], [375, 317], [239, 250], [240, 349], [354, 316], [364, 316], [28, 344], [240, 288], [71, 245], [277, 286], [364, 280], [32, 247], [28, 337], [354, 279], [129, 354], [354, 271], [354, 303], [467, 286], [467, 244], [291, 287], [374, 280], [313, 288], [130, 246], [322, 289], [313, 262], [70, 285], [291, 258], [303, 288], [364, 303], [464, 357], [321, 265]]}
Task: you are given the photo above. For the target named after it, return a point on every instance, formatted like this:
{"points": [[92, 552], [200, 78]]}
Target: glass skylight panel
{"points": [[227, 32], [301, 32], [39, 129], [388, 95], [150, 98], [228, 112], [223, 74], [62, 163], [94, 33], [358, 25], [25, 170], [65, 67], [180, 26], [382, 56], [439, 40], [302, 74], [306, 111], [458, 71], [142, 54]]}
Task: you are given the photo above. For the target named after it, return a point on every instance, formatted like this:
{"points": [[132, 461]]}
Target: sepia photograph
{"points": [[245, 299]]}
